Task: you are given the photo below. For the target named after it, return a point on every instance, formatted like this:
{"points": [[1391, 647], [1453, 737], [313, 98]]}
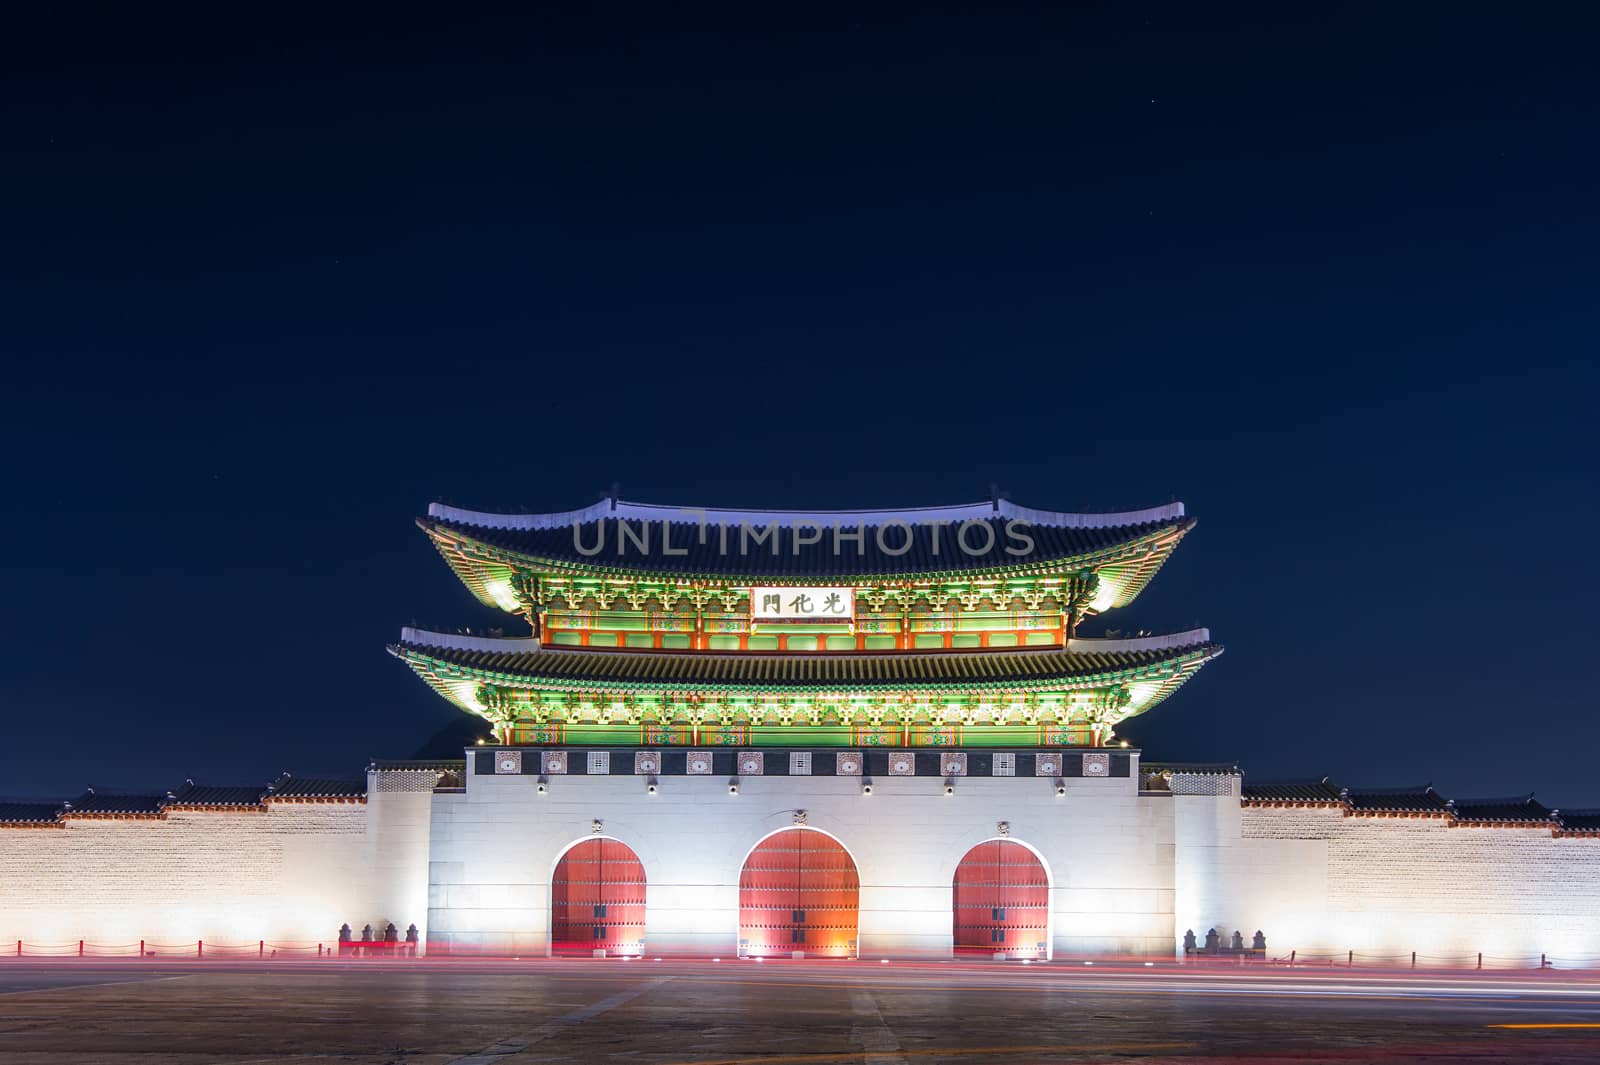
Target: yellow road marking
{"points": [[850, 1055]]}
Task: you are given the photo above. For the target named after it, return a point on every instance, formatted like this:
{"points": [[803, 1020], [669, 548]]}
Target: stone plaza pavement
{"points": [[779, 1013]]}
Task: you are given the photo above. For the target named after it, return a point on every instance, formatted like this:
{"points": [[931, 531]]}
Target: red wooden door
{"points": [[1002, 901], [798, 891], [597, 900]]}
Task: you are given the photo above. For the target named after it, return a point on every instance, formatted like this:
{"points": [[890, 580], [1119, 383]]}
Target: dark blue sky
{"points": [[1327, 276]]}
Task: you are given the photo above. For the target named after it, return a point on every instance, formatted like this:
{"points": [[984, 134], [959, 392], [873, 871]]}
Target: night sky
{"points": [[1329, 277]]}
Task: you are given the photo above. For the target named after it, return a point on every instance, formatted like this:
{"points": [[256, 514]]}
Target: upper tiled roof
{"points": [[620, 509], [1522, 809], [810, 560], [117, 804], [28, 812], [527, 661], [1292, 792], [1421, 799], [672, 541]]}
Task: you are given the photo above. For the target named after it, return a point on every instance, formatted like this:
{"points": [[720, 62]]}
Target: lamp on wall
{"points": [[866, 786], [733, 786], [544, 785], [949, 786], [1061, 786], [650, 785]]}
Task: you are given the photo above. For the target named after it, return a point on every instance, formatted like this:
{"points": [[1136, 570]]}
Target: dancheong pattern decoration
{"points": [[921, 630]]}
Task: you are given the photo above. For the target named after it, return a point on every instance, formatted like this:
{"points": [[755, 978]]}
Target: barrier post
{"points": [[80, 948], [261, 948], [1480, 959], [1351, 961], [141, 948], [1413, 959], [319, 950], [1542, 962], [199, 948], [1292, 953], [19, 948]]}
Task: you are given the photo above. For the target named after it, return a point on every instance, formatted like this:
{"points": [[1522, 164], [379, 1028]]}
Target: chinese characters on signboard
{"points": [[803, 604]]}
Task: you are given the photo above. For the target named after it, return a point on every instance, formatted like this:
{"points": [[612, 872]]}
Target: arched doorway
{"points": [[1002, 902], [798, 893], [597, 900]]}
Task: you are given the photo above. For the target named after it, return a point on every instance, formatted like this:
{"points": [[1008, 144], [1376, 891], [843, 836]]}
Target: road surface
{"points": [[777, 1013]]}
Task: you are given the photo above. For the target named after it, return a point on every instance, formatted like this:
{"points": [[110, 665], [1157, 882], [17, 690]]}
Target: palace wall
{"points": [[1319, 882], [290, 875], [1129, 872], [495, 847]]}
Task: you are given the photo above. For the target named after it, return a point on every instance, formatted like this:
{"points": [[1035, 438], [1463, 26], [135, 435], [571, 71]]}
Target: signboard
{"points": [[803, 604]]}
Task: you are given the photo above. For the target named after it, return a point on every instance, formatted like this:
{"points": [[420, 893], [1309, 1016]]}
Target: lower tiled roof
{"points": [[28, 812], [1579, 822], [761, 669], [1524, 809], [316, 789], [191, 796], [1321, 792], [1421, 799], [117, 804], [213, 796]]}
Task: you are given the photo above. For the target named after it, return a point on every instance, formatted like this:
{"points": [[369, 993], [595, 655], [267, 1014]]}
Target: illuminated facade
{"points": [[758, 734], [950, 627]]}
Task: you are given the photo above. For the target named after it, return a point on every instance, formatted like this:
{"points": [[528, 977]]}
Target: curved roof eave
{"points": [[1176, 657], [1143, 554]]}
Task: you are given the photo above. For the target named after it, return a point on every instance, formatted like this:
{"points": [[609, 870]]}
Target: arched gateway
{"points": [[1002, 901], [597, 899], [798, 892]]}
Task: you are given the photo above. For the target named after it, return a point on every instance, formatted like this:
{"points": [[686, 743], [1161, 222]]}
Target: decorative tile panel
{"points": [[1005, 764], [751, 764], [848, 764], [800, 763], [1047, 764], [902, 764], [599, 762], [953, 763], [1097, 765], [646, 763], [699, 764], [555, 762], [508, 762]]}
